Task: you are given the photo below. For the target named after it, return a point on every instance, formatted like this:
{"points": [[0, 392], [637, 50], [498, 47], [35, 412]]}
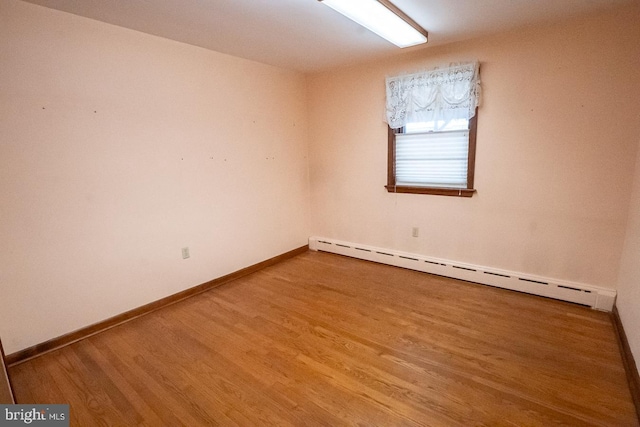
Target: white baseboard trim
{"points": [[592, 296]]}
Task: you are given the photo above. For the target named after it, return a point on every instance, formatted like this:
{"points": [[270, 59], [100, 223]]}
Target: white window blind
{"points": [[432, 159]]}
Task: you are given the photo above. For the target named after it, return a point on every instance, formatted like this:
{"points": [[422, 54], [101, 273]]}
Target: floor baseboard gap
{"points": [[596, 297], [630, 367], [88, 331]]}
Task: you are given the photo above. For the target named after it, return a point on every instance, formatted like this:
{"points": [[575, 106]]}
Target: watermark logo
{"points": [[34, 415]]}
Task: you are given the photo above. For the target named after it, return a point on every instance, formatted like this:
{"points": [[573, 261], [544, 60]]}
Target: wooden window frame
{"points": [[439, 191]]}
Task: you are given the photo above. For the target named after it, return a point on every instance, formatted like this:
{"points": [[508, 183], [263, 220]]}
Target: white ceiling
{"points": [[308, 36]]}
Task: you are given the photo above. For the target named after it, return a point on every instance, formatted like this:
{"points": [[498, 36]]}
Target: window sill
{"points": [[456, 192]]}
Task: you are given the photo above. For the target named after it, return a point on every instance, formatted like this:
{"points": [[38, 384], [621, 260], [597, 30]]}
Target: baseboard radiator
{"points": [[592, 296]]}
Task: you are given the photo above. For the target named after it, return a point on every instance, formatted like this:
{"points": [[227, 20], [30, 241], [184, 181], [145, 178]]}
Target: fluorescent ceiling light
{"points": [[383, 18]]}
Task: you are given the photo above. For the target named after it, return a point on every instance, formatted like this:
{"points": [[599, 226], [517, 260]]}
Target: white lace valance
{"points": [[441, 94]]}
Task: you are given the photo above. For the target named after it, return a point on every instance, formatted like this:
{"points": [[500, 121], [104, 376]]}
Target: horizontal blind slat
{"points": [[432, 159]]}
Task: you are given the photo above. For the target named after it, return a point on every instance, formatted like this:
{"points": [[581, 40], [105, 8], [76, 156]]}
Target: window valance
{"points": [[441, 94]]}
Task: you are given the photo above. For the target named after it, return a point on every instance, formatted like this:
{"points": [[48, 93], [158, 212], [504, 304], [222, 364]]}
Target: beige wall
{"points": [[557, 140], [628, 302], [119, 148]]}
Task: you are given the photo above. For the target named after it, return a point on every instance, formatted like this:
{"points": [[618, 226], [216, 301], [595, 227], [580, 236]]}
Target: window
{"points": [[432, 117], [433, 157]]}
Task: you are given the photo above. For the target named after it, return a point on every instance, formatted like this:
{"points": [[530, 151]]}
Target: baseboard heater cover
{"points": [[592, 296]]}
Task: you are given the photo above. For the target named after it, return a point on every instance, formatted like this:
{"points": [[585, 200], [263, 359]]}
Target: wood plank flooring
{"points": [[327, 340]]}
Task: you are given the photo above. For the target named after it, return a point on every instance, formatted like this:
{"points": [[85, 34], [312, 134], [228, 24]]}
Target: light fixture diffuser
{"points": [[383, 18]]}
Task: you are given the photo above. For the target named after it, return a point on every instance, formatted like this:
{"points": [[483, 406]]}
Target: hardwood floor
{"points": [[322, 339]]}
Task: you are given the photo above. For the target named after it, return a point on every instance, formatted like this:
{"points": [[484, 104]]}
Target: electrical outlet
{"points": [[185, 253], [415, 232]]}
